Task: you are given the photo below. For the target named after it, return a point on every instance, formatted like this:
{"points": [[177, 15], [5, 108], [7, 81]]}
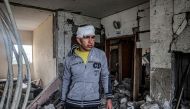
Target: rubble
{"points": [[134, 105], [148, 98], [123, 100], [122, 93], [166, 105], [50, 106], [123, 106], [149, 105]]}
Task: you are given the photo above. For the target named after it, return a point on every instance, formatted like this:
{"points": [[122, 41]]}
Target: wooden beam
{"points": [[45, 94], [137, 72], [120, 62], [107, 51], [137, 66]]}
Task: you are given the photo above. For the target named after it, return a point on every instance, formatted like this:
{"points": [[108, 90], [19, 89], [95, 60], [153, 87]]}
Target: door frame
{"points": [[136, 61]]}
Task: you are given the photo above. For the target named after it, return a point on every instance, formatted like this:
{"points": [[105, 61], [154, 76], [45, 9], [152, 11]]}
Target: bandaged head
{"points": [[85, 31]]}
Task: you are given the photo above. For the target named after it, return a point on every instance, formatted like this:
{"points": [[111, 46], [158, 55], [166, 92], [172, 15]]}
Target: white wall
{"points": [[44, 63], [128, 21]]}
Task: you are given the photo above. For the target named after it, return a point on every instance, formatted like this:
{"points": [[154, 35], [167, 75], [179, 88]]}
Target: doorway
{"points": [[120, 53]]}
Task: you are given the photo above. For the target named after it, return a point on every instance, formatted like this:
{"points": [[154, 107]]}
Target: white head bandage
{"points": [[85, 31]]}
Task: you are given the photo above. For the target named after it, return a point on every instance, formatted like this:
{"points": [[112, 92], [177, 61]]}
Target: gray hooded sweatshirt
{"points": [[81, 82]]}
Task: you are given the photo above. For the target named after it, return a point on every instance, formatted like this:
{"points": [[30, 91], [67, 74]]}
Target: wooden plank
{"points": [[137, 72], [137, 66], [107, 51], [120, 62]]}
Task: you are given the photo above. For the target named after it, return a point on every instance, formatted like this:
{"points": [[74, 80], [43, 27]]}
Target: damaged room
{"points": [[92, 54]]}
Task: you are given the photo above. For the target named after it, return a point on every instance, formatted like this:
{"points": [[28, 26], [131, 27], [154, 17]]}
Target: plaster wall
{"points": [[181, 26], [162, 28], [44, 63], [128, 19], [160, 36]]}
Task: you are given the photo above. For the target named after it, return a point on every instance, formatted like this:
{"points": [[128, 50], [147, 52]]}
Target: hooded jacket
{"points": [[81, 82]]}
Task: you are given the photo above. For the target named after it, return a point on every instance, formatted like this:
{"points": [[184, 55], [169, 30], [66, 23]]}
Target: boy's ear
{"points": [[78, 40]]}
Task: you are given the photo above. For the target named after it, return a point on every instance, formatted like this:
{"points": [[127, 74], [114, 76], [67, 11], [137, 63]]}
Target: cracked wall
{"points": [[160, 36], [128, 20], [161, 14]]}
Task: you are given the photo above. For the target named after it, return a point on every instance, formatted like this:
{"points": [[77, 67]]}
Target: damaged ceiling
{"points": [[93, 8], [29, 19]]}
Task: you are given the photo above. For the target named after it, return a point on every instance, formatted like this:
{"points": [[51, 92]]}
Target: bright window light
{"points": [[28, 51]]}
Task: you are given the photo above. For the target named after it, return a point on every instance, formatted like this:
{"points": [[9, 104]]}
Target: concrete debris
{"points": [[123, 101], [123, 106], [135, 105], [148, 98], [116, 83], [166, 105], [130, 105], [122, 93], [50, 106], [150, 105], [125, 92]]}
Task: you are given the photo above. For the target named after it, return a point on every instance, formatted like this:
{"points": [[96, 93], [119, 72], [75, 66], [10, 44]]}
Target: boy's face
{"points": [[86, 43]]}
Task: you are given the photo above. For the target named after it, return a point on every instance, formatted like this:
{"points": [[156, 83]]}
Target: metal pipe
{"points": [[16, 98], [12, 50], [12, 34], [10, 67], [29, 81], [9, 47], [7, 82]]}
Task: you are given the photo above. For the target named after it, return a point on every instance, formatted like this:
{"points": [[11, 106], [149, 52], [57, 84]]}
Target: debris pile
{"points": [[152, 104], [121, 94], [53, 102]]}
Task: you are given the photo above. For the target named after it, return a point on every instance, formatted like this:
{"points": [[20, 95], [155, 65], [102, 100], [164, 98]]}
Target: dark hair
{"points": [[84, 25]]}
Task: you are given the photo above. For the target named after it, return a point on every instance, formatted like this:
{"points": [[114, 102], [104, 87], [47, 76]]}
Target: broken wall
{"points": [[65, 33], [44, 63], [27, 39], [128, 20], [160, 35], [181, 26], [162, 13]]}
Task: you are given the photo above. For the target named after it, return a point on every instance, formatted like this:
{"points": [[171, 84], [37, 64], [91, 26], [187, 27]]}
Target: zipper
{"points": [[84, 86], [82, 99], [84, 75]]}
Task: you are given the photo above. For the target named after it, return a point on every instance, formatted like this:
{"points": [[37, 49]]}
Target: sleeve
{"points": [[66, 81], [106, 81]]}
